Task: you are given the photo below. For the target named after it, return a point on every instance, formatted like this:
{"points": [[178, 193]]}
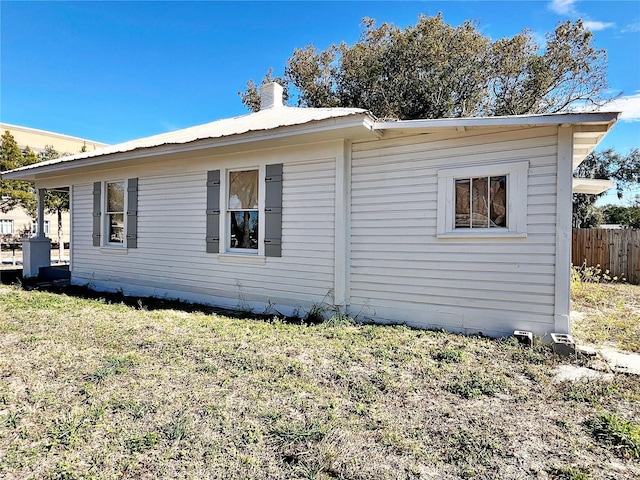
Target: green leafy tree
{"points": [[435, 70], [607, 164], [22, 194], [628, 217], [14, 193], [251, 98]]}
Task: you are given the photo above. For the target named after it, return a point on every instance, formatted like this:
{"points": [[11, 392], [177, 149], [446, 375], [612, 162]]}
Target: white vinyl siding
{"points": [[171, 257], [400, 269]]}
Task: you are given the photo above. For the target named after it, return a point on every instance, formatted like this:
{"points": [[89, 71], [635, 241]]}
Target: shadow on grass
{"points": [[14, 277]]}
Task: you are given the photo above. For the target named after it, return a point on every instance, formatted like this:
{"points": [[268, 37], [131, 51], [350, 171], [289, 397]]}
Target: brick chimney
{"points": [[271, 96]]}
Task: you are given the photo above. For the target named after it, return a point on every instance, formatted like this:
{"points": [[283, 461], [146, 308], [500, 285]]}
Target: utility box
{"points": [[563, 344]]}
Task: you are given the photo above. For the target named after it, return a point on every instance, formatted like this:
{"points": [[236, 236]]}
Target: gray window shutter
{"points": [[132, 213], [97, 212], [213, 211], [273, 211]]}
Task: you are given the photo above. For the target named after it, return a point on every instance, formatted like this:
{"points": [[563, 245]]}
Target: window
{"points": [[6, 227], [34, 227], [242, 209], [244, 213], [114, 215], [483, 200]]}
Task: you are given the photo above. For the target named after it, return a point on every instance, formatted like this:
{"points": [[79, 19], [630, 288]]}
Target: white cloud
{"points": [[562, 7], [632, 28], [594, 26], [628, 105]]}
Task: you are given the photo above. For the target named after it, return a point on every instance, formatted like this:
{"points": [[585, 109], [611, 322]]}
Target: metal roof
{"points": [[267, 119], [588, 129]]}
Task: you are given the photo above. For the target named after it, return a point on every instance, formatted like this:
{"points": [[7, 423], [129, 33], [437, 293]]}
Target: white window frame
{"points": [[104, 234], [6, 222], [34, 227], [225, 220], [517, 180]]}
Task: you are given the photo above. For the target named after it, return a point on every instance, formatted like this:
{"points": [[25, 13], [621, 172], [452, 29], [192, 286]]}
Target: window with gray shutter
{"points": [[213, 211], [273, 211], [132, 213], [97, 212]]}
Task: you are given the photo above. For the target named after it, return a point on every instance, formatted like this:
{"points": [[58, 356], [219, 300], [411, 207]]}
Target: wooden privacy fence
{"points": [[615, 250]]}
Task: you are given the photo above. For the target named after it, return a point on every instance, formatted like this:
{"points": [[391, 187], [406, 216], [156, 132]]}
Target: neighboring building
{"points": [[17, 223], [461, 223], [37, 140]]}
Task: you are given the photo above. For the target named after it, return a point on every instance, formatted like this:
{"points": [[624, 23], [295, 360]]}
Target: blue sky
{"points": [[114, 71]]}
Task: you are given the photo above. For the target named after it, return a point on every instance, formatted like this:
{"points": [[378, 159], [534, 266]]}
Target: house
{"points": [[460, 223], [17, 222]]}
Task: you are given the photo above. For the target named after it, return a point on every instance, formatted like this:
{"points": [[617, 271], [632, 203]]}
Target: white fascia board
{"points": [[363, 122], [523, 120], [591, 186]]}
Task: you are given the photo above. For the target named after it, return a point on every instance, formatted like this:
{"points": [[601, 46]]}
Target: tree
{"points": [[251, 98], [628, 217], [22, 194], [607, 164], [14, 193], [435, 70]]}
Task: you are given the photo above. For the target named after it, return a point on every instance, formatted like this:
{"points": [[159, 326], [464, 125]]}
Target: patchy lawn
{"points": [[608, 314], [90, 389]]}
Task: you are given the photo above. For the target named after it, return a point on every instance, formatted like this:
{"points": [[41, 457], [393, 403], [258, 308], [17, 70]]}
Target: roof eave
{"points": [[360, 124], [515, 120]]}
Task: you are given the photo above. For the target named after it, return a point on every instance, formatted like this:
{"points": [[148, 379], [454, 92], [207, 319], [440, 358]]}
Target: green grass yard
{"points": [[93, 390]]}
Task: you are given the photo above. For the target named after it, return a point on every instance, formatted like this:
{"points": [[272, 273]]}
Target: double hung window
{"points": [[243, 211], [114, 215]]}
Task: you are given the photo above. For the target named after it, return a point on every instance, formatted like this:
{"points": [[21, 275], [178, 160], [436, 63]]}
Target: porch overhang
{"points": [[591, 186]]}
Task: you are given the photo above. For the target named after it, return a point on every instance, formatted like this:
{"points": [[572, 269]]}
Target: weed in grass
{"points": [[11, 420], [449, 355], [133, 408], [140, 443], [64, 471], [472, 385], [623, 436], [471, 449], [339, 320], [292, 433], [570, 473], [178, 429], [30, 339], [594, 392], [207, 368], [362, 390], [66, 430], [113, 365], [252, 434], [315, 315]]}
